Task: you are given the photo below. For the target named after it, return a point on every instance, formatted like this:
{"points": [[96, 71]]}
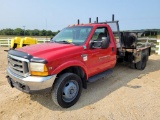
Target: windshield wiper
{"points": [[63, 41]]}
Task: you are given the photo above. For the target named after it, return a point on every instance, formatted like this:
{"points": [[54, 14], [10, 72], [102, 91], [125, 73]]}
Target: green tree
{"points": [[27, 32], [49, 33], [35, 32], [2, 32], [19, 31], [42, 33], [7, 31], [30, 33]]}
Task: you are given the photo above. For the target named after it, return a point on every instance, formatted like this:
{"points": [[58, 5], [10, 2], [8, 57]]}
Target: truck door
{"points": [[100, 59]]}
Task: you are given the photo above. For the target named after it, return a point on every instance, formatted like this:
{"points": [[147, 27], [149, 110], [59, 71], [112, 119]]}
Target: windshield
{"points": [[73, 35]]}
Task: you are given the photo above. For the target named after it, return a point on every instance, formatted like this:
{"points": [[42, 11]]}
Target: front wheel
{"points": [[66, 90]]}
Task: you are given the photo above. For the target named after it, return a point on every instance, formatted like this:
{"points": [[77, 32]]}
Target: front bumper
{"points": [[31, 84]]}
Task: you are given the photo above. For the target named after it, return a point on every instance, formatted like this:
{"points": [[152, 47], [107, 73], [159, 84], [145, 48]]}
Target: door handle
{"points": [[112, 49], [104, 57]]}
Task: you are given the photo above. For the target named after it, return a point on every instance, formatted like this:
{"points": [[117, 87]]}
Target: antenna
{"points": [[46, 29], [90, 20], [112, 17], [78, 21], [96, 19]]}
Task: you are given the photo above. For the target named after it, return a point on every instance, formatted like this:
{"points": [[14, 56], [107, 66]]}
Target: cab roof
{"points": [[89, 24]]}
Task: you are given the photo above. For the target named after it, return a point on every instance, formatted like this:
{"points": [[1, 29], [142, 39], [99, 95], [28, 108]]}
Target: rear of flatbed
{"points": [[137, 58], [127, 47]]}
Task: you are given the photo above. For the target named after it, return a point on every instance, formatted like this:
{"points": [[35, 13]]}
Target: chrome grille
{"points": [[18, 65]]}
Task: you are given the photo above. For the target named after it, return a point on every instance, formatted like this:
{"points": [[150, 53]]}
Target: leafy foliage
{"points": [[21, 32]]}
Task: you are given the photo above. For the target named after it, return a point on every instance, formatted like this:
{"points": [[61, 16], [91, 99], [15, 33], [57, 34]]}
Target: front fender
{"points": [[70, 64]]}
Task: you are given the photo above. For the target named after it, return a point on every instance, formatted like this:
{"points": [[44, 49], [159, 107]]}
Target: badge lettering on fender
{"points": [[85, 57]]}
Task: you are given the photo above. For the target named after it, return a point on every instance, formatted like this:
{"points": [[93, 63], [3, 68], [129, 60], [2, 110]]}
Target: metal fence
{"points": [[7, 41], [154, 42], [147, 41], [158, 47]]}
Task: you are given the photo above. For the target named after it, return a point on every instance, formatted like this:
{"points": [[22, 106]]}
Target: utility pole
{"points": [[24, 30], [46, 29]]}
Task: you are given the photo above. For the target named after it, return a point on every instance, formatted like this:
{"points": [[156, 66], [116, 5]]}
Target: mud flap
{"points": [[10, 82]]}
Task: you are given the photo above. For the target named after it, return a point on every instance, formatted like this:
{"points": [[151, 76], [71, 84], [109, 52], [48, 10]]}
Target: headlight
{"points": [[38, 69]]}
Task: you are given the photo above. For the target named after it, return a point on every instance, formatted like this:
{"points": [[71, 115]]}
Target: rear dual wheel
{"points": [[142, 64]]}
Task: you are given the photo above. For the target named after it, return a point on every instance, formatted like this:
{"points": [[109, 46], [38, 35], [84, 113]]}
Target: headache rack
{"points": [[116, 31]]}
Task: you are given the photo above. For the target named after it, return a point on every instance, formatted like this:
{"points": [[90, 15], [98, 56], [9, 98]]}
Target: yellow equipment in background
{"points": [[18, 42], [15, 42], [27, 41]]}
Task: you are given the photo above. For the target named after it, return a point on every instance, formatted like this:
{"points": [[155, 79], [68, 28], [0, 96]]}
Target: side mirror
{"points": [[105, 42], [91, 44]]}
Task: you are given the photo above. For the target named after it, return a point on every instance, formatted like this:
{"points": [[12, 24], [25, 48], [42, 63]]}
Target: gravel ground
{"points": [[127, 94]]}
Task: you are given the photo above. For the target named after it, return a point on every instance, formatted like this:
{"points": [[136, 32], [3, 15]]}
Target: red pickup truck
{"points": [[77, 55]]}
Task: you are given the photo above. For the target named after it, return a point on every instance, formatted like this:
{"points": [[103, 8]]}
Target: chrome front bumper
{"points": [[31, 84]]}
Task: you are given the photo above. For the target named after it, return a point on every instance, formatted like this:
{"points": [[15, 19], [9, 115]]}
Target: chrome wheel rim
{"points": [[70, 91]]}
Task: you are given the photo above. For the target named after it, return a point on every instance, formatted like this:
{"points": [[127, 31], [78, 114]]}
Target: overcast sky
{"points": [[57, 14]]}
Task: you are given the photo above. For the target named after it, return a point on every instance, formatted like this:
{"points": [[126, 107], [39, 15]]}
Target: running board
{"points": [[100, 75]]}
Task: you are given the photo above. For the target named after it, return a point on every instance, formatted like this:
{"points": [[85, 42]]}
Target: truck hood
{"points": [[50, 51]]}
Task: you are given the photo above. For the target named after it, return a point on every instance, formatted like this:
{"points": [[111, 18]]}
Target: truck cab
{"points": [[90, 38]]}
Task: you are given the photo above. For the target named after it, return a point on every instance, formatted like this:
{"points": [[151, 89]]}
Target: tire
{"points": [[130, 40], [66, 90], [142, 64], [147, 53], [120, 60], [132, 65]]}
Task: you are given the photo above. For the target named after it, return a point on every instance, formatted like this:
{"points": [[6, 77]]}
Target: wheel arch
{"points": [[75, 67]]}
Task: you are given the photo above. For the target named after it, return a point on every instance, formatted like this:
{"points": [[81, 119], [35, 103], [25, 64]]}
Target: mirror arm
{"points": [[94, 41], [97, 41], [96, 47]]}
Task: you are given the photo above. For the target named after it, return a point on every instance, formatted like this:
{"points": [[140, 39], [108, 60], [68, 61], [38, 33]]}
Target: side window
{"points": [[99, 33]]}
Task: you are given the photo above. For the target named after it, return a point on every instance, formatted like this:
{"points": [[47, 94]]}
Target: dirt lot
{"points": [[127, 94]]}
